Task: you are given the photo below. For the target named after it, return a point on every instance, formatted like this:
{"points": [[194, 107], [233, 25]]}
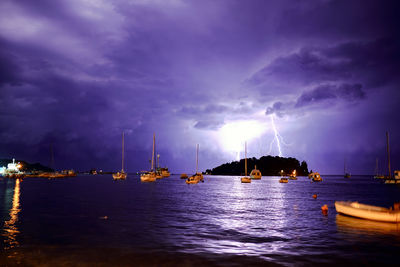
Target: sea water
{"points": [[94, 220]]}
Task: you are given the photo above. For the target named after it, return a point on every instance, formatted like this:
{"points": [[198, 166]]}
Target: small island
{"points": [[268, 165]]}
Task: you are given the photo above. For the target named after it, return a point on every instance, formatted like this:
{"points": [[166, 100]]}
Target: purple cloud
{"points": [[77, 74]]}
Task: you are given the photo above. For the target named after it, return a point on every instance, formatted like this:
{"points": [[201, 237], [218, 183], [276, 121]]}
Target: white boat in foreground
{"points": [[369, 212]]}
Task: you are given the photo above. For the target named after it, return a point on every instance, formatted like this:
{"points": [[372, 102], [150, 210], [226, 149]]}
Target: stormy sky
{"points": [[318, 78]]}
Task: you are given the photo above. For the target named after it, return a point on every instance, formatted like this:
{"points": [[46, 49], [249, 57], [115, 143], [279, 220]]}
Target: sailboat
{"points": [[346, 174], [255, 174], [158, 171], [390, 179], [245, 179], [164, 172], [377, 175], [121, 175], [151, 175], [198, 176]]}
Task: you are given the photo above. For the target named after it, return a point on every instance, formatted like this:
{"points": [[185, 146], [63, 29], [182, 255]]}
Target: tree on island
{"points": [[268, 165]]}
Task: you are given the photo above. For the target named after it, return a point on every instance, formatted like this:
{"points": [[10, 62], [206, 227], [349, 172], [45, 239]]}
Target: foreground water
{"points": [[93, 220]]}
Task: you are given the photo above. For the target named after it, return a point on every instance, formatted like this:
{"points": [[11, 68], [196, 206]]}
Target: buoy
{"points": [[314, 196], [324, 209]]}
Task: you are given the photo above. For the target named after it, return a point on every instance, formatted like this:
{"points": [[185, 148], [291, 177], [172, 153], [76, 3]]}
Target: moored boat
{"points": [[284, 180], [255, 174], [315, 176], [56, 175], [148, 177], [158, 175], [369, 212], [192, 179], [165, 172], [245, 179], [198, 176], [184, 176], [151, 175], [122, 174], [293, 175], [346, 174], [391, 179]]}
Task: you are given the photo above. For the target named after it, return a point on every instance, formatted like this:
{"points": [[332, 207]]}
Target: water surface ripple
{"points": [[92, 219]]}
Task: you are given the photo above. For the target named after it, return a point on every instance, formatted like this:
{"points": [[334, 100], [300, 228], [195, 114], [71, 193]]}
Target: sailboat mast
{"points": [[152, 154], [388, 154], [197, 157], [245, 158], [122, 151], [344, 166], [51, 156]]}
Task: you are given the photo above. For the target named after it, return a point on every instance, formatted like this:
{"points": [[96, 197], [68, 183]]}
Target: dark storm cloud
{"points": [[348, 92], [209, 124], [339, 19], [8, 70], [373, 63], [318, 98]]}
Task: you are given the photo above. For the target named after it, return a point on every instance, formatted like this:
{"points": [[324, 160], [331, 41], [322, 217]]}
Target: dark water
{"points": [[93, 220]]}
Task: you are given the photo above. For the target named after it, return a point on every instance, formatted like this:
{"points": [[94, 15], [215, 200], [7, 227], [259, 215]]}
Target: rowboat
{"points": [[369, 212]]}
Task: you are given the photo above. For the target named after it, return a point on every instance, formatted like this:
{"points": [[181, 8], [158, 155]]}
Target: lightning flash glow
{"points": [[233, 135]]}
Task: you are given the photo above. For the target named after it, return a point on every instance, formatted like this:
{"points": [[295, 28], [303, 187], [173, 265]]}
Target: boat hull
{"points": [[368, 212], [148, 177], [119, 176], [166, 174], [194, 179], [392, 181], [245, 180], [255, 175]]}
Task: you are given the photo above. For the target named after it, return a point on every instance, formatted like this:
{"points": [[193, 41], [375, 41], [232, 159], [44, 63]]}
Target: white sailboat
{"points": [[390, 179], [198, 176], [151, 175], [255, 174], [245, 179], [121, 175]]}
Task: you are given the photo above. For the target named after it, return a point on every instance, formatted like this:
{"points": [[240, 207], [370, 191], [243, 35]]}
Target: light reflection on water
{"points": [[264, 220], [356, 226], [10, 229]]}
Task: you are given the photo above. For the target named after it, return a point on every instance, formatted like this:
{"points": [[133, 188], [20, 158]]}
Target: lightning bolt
{"points": [[277, 135]]}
